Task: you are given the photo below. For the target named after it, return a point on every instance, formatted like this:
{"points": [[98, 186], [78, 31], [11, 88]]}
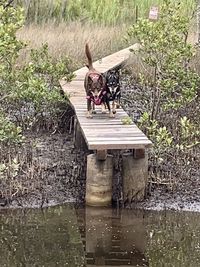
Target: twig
{"points": [[8, 4]]}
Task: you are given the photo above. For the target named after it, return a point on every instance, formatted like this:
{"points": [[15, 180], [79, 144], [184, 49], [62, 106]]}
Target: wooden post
{"points": [[99, 181], [78, 137], [139, 153], [101, 154], [135, 175]]}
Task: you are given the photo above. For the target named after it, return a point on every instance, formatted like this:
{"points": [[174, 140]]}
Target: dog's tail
{"points": [[89, 57]]}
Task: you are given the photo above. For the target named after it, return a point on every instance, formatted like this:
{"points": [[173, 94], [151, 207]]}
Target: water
{"points": [[63, 236]]}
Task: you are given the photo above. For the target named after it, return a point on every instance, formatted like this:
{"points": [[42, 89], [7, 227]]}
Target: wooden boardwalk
{"points": [[102, 132]]}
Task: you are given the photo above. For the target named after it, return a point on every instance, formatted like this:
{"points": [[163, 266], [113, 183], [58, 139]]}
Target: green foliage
{"points": [[37, 88], [32, 91], [9, 133], [30, 98], [174, 85], [189, 134], [126, 120], [11, 20], [164, 48], [160, 136]]}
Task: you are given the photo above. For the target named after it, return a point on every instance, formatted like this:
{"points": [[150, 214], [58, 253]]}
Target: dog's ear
{"points": [[101, 79], [115, 72], [90, 81]]}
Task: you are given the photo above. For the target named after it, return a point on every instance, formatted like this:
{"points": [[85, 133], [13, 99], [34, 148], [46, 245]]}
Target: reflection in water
{"points": [[61, 236], [40, 238], [113, 238]]}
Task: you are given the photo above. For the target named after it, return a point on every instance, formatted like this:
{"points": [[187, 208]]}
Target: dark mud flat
{"points": [[64, 176], [59, 172]]}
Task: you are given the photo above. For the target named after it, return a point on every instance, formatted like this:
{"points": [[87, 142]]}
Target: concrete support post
{"points": [[99, 181], [135, 176]]}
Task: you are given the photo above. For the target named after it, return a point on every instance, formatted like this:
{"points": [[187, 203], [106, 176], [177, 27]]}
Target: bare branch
{"points": [[8, 4]]}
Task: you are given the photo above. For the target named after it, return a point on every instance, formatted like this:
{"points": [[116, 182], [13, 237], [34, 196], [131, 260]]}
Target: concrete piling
{"points": [[135, 176], [99, 181]]}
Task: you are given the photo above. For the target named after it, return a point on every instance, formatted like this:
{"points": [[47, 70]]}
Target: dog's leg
{"points": [[89, 109], [111, 115], [114, 107], [93, 108], [104, 105], [103, 108], [118, 101]]}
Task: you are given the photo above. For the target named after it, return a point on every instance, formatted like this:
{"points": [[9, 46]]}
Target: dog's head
{"points": [[95, 84], [112, 82]]}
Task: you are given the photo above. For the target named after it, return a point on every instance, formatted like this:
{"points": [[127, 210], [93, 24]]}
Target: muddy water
{"points": [[64, 236]]}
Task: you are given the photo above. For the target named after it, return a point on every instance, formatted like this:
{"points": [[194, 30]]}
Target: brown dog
{"points": [[95, 87]]}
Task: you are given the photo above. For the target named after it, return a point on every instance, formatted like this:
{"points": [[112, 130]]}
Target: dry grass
{"points": [[70, 39]]}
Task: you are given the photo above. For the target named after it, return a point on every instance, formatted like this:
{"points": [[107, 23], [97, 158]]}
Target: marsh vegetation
{"points": [[45, 40]]}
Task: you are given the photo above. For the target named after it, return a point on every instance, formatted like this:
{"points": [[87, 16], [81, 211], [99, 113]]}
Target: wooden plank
{"points": [[101, 116], [119, 115], [110, 131], [106, 132], [93, 265], [81, 112], [108, 124], [127, 145], [112, 126], [97, 119], [118, 137], [117, 141], [100, 124]]}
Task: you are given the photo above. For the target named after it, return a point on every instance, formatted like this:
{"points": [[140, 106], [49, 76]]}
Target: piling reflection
{"points": [[98, 230], [114, 237]]}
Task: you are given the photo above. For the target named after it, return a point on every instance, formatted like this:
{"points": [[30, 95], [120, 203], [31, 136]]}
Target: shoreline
{"points": [[146, 205]]}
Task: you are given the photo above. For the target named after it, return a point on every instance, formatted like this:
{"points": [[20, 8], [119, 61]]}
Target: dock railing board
{"points": [[102, 133]]}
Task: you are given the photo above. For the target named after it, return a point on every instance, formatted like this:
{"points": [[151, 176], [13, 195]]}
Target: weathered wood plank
{"points": [[122, 145], [118, 136], [116, 140]]}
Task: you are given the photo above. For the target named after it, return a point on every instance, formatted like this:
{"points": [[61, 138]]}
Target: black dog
{"points": [[113, 91]]}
